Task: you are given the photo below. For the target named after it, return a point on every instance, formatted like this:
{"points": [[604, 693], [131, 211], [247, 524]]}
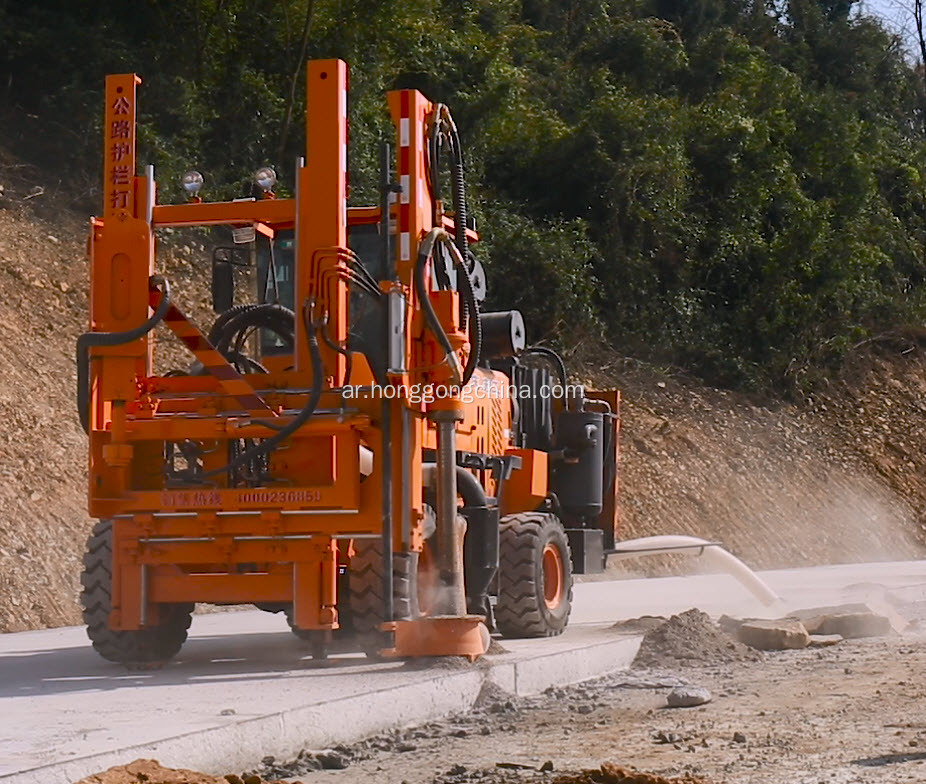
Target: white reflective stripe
{"points": [[404, 243], [403, 132], [405, 188]]}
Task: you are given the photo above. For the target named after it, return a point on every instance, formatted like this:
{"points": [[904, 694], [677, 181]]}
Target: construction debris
{"points": [[688, 697], [690, 638], [616, 774], [784, 634], [146, 771], [855, 625], [824, 640]]}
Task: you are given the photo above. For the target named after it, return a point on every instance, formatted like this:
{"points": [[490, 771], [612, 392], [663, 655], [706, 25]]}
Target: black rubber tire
{"points": [[302, 634], [366, 592], [144, 648], [521, 610]]}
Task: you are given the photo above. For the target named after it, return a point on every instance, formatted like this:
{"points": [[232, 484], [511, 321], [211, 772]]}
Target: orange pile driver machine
{"points": [[354, 444]]}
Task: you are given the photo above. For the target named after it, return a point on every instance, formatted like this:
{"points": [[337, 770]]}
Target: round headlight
{"points": [[192, 182], [266, 178]]}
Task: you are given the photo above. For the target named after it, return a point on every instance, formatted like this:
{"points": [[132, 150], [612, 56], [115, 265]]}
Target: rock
{"points": [[688, 697], [406, 747], [739, 737], [856, 625], [784, 634], [332, 760], [666, 737], [584, 709], [730, 625], [825, 640], [547, 766], [814, 617]]}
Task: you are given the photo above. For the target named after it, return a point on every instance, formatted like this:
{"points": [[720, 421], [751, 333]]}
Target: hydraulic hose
{"points": [[459, 191], [444, 130], [424, 253], [468, 486], [92, 339], [227, 315], [465, 284], [551, 354], [304, 415], [277, 318], [475, 323]]}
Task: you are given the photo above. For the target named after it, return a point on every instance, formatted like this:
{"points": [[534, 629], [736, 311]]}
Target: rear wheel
{"points": [[534, 576], [367, 606], [150, 647]]}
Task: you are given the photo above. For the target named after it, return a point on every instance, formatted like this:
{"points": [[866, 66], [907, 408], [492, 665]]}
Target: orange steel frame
{"points": [[191, 544], [284, 542]]}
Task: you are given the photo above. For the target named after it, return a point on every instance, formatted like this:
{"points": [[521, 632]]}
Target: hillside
{"points": [[839, 478]]}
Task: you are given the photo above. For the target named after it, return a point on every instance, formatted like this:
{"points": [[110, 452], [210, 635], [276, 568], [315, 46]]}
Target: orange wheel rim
{"points": [[554, 577]]}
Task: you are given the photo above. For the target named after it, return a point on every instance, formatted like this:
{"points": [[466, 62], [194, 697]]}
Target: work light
{"points": [[192, 182], [266, 178]]}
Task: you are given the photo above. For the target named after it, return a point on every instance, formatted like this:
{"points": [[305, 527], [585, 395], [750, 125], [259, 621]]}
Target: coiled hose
{"points": [[93, 339], [227, 332], [304, 415]]}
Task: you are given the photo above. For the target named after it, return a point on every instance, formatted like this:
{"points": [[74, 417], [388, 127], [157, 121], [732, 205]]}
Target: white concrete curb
{"points": [[238, 745]]}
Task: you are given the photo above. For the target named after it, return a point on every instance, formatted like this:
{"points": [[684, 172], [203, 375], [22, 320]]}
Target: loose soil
{"points": [[850, 714], [690, 636]]}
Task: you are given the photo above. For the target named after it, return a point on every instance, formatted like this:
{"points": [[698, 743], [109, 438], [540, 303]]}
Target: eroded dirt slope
{"points": [[839, 478]]}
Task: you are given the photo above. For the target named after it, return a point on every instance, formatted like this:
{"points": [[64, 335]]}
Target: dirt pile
{"points": [[615, 774], [690, 638], [145, 771]]}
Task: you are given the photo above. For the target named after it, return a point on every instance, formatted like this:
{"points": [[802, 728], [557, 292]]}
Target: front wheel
{"points": [[141, 648], [367, 605], [534, 576]]}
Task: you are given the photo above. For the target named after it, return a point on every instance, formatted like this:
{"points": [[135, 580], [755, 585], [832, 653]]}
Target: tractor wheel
{"points": [[142, 648], [366, 592], [319, 639], [534, 576]]}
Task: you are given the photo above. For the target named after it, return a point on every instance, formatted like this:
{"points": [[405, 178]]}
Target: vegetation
{"points": [[733, 186]]}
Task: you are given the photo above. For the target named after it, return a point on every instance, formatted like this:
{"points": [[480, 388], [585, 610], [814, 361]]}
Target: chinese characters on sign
{"points": [[120, 147]]}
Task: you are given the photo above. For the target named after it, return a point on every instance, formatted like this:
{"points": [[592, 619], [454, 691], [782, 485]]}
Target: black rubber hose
{"points": [[468, 486], [433, 160], [91, 339], [558, 360], [459, 194], [270, 316], [424, 253], [475, 324], [224, 317], [308, 410], [348, 355]]}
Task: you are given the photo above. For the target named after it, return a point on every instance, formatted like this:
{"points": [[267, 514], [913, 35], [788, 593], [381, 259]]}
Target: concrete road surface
{"points": [[244, 687]]}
